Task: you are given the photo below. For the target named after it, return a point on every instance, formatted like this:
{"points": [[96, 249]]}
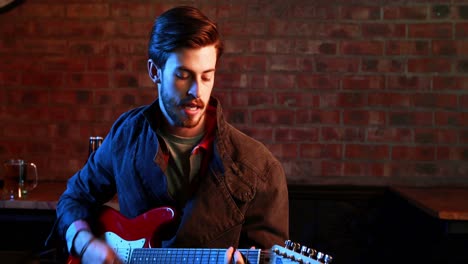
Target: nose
{"points": [[194, 90]]}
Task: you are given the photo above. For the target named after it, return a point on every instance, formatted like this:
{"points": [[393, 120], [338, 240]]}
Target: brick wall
{"points": [[341, 91]]}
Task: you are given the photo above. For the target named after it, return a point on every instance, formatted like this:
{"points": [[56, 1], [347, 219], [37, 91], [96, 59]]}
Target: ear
{"points": [[154, 72]]}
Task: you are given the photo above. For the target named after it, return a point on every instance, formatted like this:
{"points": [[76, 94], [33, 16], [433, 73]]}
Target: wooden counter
{"points": [[44, 197], [449, 204]]}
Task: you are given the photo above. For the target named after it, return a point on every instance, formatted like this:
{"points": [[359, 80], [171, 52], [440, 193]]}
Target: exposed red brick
{"points": [[360, 12], [390, 100], [382, 65], [383, 30], [452, 153], [389, 135], [318, 117], [369, 89], [432, 31], [289, 151], [317, 81], [95, 10], [321, 151], [361, 82], [450, 83], [426, 65], [435, 136], [410, 153], [367, 152], [358, 117], [407, 47], [334, 64], [408, 82], [341, 134], [405, 12], [362, 48], [290, 99], [297, 134]]}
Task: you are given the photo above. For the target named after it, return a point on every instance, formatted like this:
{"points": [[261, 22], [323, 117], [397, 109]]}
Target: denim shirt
{"points": [[241, 201]]}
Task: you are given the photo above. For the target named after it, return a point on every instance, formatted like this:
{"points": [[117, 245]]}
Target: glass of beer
{"points": [[19, 178]]}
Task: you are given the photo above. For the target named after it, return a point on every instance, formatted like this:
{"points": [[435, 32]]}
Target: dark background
{"points": [[352, 224]]}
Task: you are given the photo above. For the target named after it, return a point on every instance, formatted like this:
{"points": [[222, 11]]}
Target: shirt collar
{"points": [[154, 117], [210, 125]]}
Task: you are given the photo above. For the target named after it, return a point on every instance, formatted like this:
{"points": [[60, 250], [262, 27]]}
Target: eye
{"points": [[207, 77], [183, 75]]}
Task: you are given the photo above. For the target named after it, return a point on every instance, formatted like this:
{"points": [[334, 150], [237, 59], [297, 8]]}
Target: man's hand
{"points": [[233, 255], [93, 250], [99, 252]]}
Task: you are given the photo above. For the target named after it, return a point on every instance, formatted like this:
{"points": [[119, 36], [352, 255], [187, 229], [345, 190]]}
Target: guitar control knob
{"points": [[327, 259], [309, 252], [320, 256], [304, 250], [296, 247], [288, 244]]}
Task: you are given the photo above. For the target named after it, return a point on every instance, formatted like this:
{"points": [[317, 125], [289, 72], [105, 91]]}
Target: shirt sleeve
{"points": [[72, 231]]}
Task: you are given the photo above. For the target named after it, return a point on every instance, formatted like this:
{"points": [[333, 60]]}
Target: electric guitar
{"points": [[136, 241]]}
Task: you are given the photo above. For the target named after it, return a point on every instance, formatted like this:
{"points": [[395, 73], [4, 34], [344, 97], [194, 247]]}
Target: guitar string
{"points": [[171, 255]]}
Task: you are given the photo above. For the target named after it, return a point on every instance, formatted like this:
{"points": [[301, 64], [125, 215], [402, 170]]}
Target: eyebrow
{"points": [[189, 70]]}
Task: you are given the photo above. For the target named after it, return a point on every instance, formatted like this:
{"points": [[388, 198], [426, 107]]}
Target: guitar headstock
{"points": [[295, 253]]}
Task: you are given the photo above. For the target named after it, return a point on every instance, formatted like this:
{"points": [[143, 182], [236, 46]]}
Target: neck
{"points": [[185, 131]]}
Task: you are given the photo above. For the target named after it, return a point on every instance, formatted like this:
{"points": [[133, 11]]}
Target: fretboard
{"points": [[189, 256]]}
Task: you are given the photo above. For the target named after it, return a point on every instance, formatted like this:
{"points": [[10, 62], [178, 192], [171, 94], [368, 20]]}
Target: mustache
{"points": [[192, 102]]}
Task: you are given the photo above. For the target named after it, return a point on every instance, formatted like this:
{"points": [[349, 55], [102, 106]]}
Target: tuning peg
{"points": [[288, 244], [327, 259], [304, 251], [320, 256], [296, 247], [309, 252]]}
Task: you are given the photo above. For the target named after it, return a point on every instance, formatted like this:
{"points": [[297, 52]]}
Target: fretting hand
{"points": [[233, 255]]}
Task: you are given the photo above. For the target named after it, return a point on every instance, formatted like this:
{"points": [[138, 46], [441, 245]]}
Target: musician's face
{"points": [[185, 85]]}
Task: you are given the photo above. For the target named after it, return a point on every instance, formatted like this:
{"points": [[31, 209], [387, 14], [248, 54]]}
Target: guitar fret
{"points": [[186, 256], [252, 255], [133, 249]]}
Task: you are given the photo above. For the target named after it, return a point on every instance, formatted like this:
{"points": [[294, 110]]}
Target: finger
{"points": [[118, 261], [228, 255], [112, 260], [112, 257], [115, 260], [238, 258]]}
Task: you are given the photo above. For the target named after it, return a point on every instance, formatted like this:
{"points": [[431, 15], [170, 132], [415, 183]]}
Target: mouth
{"points": [[192, 108], [192, 104]]}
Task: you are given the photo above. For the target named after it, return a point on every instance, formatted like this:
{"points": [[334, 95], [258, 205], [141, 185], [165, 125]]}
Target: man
{"points": [[228, 189]]}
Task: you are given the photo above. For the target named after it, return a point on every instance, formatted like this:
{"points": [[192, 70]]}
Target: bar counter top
{"points": [[446, 203], [44, 197]]}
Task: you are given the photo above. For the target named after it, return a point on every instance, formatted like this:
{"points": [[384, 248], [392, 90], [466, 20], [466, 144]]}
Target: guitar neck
{"points": [[188, 255], [135, 242]]}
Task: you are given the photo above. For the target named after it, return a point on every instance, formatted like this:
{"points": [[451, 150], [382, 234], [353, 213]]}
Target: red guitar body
{"points": [[147, 227], [138, 241]]}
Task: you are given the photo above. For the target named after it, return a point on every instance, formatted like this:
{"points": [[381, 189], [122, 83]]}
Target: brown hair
{"points": [[181, 27]]}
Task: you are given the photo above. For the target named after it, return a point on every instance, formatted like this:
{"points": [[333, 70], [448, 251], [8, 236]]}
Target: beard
{"points": [[174, 109]]}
